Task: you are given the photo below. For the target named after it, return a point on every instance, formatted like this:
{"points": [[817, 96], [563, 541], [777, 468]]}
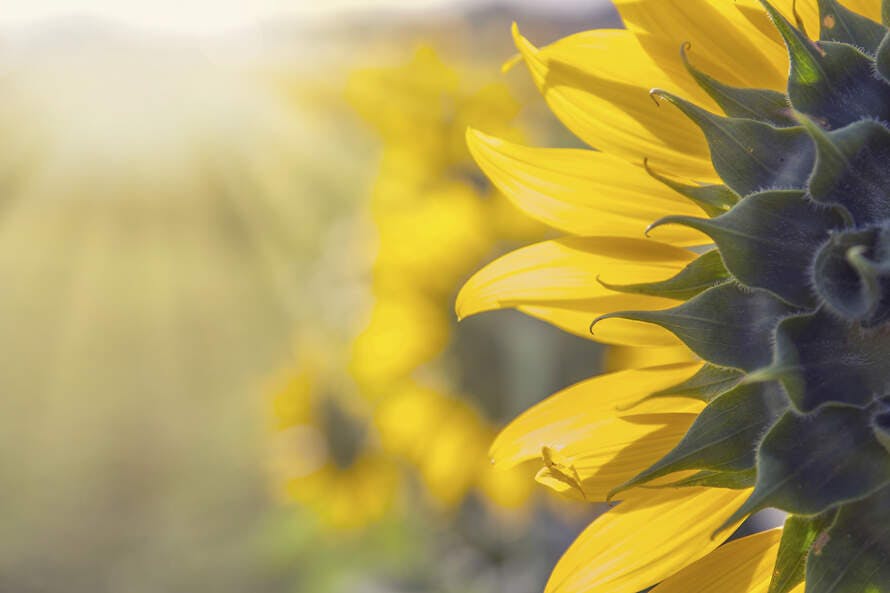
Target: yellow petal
{"points": [[626, 357], [573, 414], [742, 566], [807, 10], [614, 451], [868, 8], [606, 102], [576, 317], [581, 191], [569, 269], [645, 539], [734, 46]]}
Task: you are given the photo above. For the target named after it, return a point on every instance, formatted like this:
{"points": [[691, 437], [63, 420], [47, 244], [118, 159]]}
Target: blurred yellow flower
{"points": [[323, 452], [432, 219]]}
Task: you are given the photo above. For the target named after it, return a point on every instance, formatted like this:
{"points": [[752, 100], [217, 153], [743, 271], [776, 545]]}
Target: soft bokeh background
{"points": [[213, 216]]}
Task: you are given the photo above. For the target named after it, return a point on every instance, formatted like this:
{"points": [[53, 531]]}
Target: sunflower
{"points": [[753, 322], [323, 450]]}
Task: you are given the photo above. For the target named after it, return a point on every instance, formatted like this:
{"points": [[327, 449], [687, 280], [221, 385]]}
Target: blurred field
{"points": [[168, 216]]}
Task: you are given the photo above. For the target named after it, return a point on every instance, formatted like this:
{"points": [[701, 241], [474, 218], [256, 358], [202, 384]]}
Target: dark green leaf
{"points": [[725, 435], [768, 240], [759, 104], [809, 464], [750, 155], [885, 12], [845, 26], [798, 536], [709, 382], [832, 82], [703, 273], [821, 359], [851, 169], [713, 199], [726, 325], [854, 557]]}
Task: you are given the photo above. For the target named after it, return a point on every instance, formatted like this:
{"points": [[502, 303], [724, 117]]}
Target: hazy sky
{"points": [[214, 16]]}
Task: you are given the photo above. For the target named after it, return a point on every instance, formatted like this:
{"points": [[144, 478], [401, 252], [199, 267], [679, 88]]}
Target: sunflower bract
{"points": [[789, 318]]}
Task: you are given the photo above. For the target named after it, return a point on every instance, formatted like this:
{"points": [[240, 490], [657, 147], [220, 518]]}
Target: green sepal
{"points": [[832, 82], [882, 58], [709, 382], [716, 479], [809, 464], [851, 274], [698, 276], [714, 199], [727, 325], [820, 359], [851, 169], [767, 241], [880, 425], [750, 155], [845, 26], [885, 12], [798, 536], [854, 556], [725, 435], [763, 105]]}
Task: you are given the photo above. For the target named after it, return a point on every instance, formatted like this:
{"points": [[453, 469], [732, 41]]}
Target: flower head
{"points": [[757, 159]]}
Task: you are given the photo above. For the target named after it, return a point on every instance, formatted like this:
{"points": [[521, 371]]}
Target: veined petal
{"points": [[733, 44], [581, 191], [613, 452], [645, 539], [744, 565], [573, 414], [613, 111], [628, 357], [576, 318], [568, 269]]}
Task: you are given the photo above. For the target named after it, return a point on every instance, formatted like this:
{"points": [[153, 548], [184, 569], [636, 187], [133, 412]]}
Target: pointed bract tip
{"points": [[665, 221], [601, 318]]}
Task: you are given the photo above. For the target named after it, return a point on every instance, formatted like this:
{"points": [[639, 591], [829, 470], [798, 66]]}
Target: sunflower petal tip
{"points": [[476, 138], [521, 42], [603, 317], [510, 63]]}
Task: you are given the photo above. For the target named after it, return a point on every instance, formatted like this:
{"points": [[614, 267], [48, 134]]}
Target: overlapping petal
{"points": [[574, 414], [569, 269], [645, 539], [742, 566], [576, 317], [738, 53], [614, 451], [580, 191], [606, 102], [628, 357]]}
